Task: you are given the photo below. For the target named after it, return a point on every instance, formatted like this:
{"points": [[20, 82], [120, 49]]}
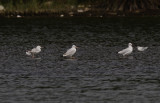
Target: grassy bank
{"points": [[70, 7]]}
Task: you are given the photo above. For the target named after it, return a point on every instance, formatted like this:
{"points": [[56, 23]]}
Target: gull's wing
{"points": [[70, 52], [127, 52], [144, 48], [33, 50], [123, 51]]}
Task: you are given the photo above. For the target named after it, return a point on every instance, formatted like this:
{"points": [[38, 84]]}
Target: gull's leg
{"points": [[32, 55], [124, 56], [72, 57]]}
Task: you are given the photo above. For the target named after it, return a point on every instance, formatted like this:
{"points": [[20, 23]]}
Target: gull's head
{"points": [[38, 47], [73, 46], [129, 44]]}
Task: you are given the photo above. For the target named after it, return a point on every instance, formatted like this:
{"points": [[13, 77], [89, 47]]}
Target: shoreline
{"points": [[79, 8], [89, 13]]}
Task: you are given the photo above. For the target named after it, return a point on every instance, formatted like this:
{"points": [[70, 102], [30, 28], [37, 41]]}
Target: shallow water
{"points": [[96, 75]]}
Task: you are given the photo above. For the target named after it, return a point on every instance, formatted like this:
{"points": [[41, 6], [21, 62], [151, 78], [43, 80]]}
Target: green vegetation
{"points": [[55, 6], [37, 5]]}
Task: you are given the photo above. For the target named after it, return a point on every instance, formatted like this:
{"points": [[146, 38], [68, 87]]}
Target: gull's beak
{"points": [[77, 47]]}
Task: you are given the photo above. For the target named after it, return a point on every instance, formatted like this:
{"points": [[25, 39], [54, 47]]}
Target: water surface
{"points": [[97, 75]]}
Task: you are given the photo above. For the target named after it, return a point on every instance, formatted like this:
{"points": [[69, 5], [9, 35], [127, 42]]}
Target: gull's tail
{"points": [[64, 55], [28, 53], [145, 48], [121, 52]]}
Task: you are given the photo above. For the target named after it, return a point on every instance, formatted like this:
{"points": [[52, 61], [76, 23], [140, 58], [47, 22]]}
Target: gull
{"points": [[126, 51], [18, 16], [141, 48], [70, 52], [34, 51]]}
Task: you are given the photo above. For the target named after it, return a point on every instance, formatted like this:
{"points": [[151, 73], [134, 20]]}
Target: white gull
{"points": [[70, 52], [126, 51], [141, 48], [34, 51]]}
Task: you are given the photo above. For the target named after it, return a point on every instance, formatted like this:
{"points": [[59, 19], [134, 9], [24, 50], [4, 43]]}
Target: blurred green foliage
{"points": [[66, 5]]}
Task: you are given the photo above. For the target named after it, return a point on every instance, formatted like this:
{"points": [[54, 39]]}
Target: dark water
{"points": [[97, 75]]}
